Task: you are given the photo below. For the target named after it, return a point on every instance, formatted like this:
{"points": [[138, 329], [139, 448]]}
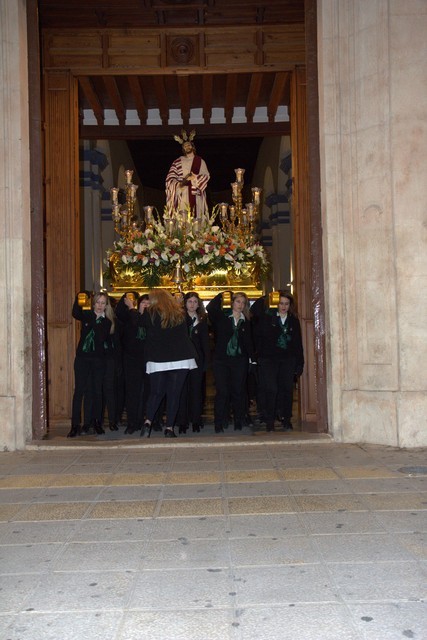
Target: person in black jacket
{"points": [[191, 402], [232, 352], [89, 363], [129, 311], [170, 356], [280, 356]]}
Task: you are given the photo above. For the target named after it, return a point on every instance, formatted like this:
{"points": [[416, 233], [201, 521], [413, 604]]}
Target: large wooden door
{"points": [[62, 211]]}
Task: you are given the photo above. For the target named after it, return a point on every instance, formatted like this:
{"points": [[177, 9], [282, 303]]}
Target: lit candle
{"points": [[116, 212], [256, 192], [235, 188], [114, 192], [148, 210], [250, 207], [169, 226], [224, 207], [128, 174], [239, 174], [132, 190]]}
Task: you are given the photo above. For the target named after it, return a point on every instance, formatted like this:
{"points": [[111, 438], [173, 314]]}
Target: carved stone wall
{"points": [[373, 115], [15, 272]]}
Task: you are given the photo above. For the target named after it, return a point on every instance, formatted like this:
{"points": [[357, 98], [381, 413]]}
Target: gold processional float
{"points": [[208, 253]]}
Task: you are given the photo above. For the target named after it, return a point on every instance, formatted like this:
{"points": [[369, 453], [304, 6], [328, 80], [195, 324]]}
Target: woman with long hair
{"points": [[280, 355], [191, 402], [170, 356], [233, 349]]}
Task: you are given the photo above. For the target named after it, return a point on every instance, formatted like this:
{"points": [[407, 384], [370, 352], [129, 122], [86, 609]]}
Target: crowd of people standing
{"points": [[146, 357]]}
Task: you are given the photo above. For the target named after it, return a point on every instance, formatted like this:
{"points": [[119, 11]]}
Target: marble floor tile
{"points": [[210, 527], [78, 590], [273, 551], [265, 526], [265, 504], [285, 584], [182, 588], [327, 621], [366, 547], [64, 625], [121, 555], [382, 581], [253, 489], [391, 620], [342, 522], [193, 624], [179, 508], [32, 532], [187, 553], [28, 558], [14, 590]]}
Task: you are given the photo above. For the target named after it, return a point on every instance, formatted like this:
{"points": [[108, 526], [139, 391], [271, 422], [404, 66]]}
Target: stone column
{"points": [[373, 141], [15, 273]]}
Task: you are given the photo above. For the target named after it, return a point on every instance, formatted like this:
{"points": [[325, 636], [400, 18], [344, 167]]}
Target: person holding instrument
{"points": [[89, 363], [232, 352]]}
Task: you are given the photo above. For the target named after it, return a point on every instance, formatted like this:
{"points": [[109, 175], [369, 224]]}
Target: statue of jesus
{"points": [[187, 180]]}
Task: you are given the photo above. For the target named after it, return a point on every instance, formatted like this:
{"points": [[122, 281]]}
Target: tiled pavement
{"points": [[224, 539]]}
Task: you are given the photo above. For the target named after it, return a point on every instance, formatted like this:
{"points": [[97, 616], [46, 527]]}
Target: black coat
{"points": [[101, 331], [267, 331], [223, 327], [169, 344], [133, 334], [200, 338]]}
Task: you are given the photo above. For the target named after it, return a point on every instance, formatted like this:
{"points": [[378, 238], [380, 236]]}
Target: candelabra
{"points": [[124, 214], [236, 219]]}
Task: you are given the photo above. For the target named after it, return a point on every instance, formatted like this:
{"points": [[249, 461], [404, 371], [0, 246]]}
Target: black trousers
{"points": [[169, 384], [277, 386], [230, 384], [134, 369], [191, 401], [88, 379], [109, 390]]}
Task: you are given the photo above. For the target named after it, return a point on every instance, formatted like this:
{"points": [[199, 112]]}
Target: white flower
{"points": [[144, 261], [229, 257], [164, 256], [125, 259], [137, 247], [186, 267]]}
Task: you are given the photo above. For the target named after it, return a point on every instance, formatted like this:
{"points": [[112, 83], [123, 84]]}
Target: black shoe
{"points": [[287, 425], [98, 427], [219, 429], [130, 429], [196, 428], [270, 426], [183, 428], [74, 431], [170, 433], [156, 426], [237, 427], [113, 426], [85, 430]]}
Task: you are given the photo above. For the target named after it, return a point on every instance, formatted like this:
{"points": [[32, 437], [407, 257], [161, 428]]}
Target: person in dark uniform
{"points": [[170, 356], [191, 402], [280, 355], [89, 363], [232, 352], [129, 311]]}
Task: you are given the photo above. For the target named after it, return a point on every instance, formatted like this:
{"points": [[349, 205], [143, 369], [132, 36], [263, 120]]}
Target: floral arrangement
{"points": [[153, 253]]}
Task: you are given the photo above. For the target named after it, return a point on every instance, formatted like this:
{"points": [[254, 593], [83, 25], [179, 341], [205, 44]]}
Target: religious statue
{"points": [[187, 180]]}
